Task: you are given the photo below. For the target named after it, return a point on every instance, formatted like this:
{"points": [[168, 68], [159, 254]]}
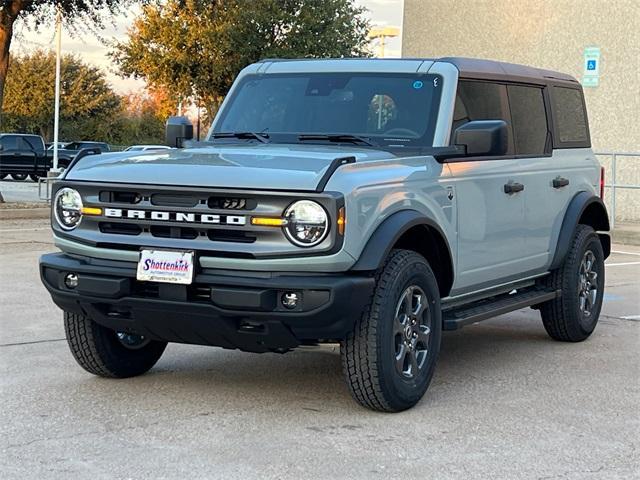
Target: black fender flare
{"points": [[387, 234], [577, 207]]}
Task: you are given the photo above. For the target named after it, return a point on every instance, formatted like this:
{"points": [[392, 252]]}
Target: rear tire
{"points": [[100, 351], [574, 315], [389, 358], [19, 176]]}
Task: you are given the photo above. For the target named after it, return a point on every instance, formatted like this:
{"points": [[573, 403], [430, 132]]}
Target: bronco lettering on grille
{"points": [[175, 216]]}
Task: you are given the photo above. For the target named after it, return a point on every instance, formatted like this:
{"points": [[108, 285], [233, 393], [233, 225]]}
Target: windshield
{"points": [[389, 109]]}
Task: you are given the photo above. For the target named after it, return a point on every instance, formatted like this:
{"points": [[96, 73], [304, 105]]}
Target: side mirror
{"points": [[177, 130], [482, 137]]}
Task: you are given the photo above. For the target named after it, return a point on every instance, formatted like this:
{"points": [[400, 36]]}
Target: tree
{"points": [[40, 11], [87, 102], [143, 117], [195, 48]]}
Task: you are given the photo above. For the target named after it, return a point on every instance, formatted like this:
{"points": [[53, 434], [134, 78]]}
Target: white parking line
{"points": [[620, 264], [625, 253]]}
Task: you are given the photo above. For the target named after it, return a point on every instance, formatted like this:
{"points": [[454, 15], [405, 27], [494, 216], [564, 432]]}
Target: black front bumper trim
{"points": [[231, 311]]}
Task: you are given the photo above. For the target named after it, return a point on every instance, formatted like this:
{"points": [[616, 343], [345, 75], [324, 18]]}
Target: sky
{"points": [[93, 50]]}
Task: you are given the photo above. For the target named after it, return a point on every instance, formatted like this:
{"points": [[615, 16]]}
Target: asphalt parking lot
{"points": [[506, 401]]}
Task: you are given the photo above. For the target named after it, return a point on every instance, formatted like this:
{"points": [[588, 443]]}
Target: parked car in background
{"points": [[23, 155], [74, 147], [146, 148], [61, 145]]}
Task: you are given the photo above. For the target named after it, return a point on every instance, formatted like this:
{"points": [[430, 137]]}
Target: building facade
{"points": [[557, 35]]}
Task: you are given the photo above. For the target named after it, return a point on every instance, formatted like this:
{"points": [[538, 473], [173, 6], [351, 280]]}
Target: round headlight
{"points": [[307, 223], [67, 207]]}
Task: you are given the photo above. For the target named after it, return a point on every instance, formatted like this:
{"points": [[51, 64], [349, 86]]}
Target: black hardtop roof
{"points": [[478, 68], [472, 68]]}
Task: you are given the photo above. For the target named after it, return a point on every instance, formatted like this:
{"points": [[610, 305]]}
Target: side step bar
{"points": [[458, 317]]}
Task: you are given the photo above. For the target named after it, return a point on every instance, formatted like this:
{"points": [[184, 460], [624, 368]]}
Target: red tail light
{"points": [[602, 182]]}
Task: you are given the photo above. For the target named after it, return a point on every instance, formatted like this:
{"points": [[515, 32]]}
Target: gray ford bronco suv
{"points": [[373, 203]]}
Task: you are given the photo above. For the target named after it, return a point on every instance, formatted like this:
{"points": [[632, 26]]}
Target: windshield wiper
{"points": [[262, 137], [338, 138]]}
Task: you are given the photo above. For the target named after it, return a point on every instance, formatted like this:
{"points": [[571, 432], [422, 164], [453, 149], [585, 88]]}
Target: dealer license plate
{"points": [[165, 266]]}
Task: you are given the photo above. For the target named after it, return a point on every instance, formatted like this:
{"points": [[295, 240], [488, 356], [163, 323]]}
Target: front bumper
{"points": [[230, 309]]}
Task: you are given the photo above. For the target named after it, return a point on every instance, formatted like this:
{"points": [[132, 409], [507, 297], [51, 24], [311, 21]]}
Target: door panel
{"points": [[490, 222], [546, 204]]}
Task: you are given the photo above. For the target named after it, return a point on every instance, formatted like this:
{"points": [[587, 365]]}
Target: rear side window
{"points": [[33, 143], [529, 119], [569, 117], [480, 101]]}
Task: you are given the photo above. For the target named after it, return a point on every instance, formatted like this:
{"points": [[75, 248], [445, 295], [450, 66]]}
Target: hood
{"points": [[259, 166]]}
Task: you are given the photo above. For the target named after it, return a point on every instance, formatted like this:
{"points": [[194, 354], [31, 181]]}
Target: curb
{"points": [[24, 213]]}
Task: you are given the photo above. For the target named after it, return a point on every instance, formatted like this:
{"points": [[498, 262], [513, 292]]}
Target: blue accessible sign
{"points": [[591, 76]]}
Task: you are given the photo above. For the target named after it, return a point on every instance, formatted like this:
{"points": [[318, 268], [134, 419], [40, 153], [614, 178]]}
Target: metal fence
{"points": [[614, 171]]}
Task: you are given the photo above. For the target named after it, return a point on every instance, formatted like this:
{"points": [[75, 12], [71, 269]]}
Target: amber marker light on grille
{"points": [[341, 221], [91, 211], [268, 221]]}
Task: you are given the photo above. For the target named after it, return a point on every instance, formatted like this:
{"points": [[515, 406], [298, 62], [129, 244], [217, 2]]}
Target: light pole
{"points": [[56, 116]]}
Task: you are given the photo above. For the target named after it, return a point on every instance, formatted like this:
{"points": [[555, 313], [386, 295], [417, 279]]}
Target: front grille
{"points": [[229, 203], [161, 231], [168, 200], [210, 221], [120, 228], [120, 197], [230, 236]]}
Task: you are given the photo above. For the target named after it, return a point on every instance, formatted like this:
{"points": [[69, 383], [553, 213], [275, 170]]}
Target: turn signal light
{"points": [[342, 221], [91, 211], [268, 221]]}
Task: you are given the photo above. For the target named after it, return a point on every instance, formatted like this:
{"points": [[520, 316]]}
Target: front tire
{"points": [[19, 176], [389, 358], [574, 315], [105, 353]]}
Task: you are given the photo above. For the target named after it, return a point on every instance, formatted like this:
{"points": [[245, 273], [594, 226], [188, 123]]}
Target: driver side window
{"points": [[477, 100]]}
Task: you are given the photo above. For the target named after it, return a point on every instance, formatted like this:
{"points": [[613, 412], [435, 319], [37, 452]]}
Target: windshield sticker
{"points": [[418, 84]]}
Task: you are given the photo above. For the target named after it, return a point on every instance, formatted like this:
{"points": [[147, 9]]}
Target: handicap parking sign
{"points": [[591, 76]]}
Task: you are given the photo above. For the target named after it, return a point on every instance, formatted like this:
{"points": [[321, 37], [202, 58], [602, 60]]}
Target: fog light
{"points": [[290, 300], [71, 280]]}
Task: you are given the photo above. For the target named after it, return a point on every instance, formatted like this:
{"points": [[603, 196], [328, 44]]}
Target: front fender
{"points": [[387, 235]]}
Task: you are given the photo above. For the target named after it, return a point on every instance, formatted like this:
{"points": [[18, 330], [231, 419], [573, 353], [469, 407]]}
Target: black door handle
{"points": [[560, 182], [511, 188]]}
